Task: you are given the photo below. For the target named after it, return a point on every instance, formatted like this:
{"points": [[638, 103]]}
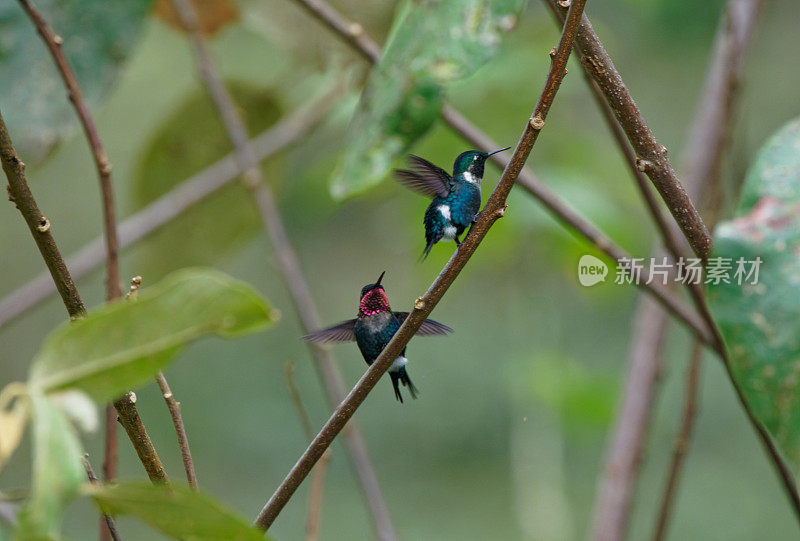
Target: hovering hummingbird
{"points": [[373, 328], [456, 199]]}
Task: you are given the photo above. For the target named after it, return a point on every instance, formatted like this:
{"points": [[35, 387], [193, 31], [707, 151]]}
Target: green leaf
{"points": [[431, 43], [176, 511], [760, 322], [98, 36], [176, 152], [57, 471], [123, 344]]}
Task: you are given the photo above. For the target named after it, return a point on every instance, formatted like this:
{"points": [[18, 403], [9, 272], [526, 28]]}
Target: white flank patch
{"points": [[472, 179], [398, 363], [444, 210], [449, 232]]}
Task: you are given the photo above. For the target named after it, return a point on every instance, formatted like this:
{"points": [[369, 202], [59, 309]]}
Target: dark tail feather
{"points": [[406, 381], [395, 378], [426, 251]]}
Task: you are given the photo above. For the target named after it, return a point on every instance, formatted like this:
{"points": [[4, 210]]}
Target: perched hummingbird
{"points": [[372, 330], [456, 199]]}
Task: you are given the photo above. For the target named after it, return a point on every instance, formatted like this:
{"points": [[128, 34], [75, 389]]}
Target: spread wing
{"points": [[424, 177], [429, 327], [342, 332]]}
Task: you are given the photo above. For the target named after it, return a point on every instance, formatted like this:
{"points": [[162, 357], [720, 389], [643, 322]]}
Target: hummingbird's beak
{"points": [[496, 151], [379, 279]]}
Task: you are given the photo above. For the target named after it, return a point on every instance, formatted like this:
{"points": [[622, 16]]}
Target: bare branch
{"points": [[615, 491], [651, 156], [183, 441], [110, 524], [681, 441], [318, 476], [288, 262], [103, 166], [20, 194], [493, 210], [527, 181], [172, 204], [132, 423]]}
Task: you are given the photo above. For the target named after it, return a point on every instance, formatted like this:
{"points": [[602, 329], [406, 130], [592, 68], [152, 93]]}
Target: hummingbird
{"points": [[456, 199], [372, 329]]}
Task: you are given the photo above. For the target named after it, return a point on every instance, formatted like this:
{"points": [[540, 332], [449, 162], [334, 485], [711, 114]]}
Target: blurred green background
{"points": [[508, 436]]}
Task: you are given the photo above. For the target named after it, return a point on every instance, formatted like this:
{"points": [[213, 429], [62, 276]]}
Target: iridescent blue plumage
{"points": [[456, 199], [374, 327]]}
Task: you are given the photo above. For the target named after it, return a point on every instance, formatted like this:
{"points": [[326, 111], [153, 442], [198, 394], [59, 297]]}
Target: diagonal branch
{"points": [[20, 194], [651, 156], [423, 306], [353, 34], [171, 205], [289, 266]]}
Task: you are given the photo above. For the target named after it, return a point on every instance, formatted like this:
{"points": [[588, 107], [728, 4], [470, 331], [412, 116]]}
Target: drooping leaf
{"points": [[431, 43], [177, 511], [189, 140], [123, 344], [759, 318], [13, 418], [57, 471], [98, 37]]}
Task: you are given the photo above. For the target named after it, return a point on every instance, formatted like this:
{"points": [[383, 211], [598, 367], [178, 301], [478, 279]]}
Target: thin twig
{"points": [[651, 156], [20, 194], [615, 490], [183, 441], [54, 44], [318, 476], [172, 204], [423, 306], [109, 521], [681, 441], [288, 262], [567, 215], [132, 423]]}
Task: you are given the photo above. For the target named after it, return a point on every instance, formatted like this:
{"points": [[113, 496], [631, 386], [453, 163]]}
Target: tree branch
{"points": [[353, 34], [318, 478], [288, 264], [20, 194], [109, 521], [423, 306], [651, 156], [172, 204], [612, 508], [132, 423], [682, 440], [183, 441], [103, 166]]}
